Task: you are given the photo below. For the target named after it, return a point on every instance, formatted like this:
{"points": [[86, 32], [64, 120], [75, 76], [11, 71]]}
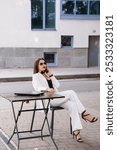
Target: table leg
{"points": [[16, 120]]}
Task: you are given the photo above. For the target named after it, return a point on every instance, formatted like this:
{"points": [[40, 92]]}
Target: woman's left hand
{"points": [[49, 72], [50, 90]]}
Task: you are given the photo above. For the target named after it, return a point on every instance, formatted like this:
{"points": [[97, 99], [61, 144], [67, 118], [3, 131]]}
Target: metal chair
{"points": [[53, 108]]}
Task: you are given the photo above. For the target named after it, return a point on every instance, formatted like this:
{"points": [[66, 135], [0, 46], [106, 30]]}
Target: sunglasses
{"points": [[42, 64]]}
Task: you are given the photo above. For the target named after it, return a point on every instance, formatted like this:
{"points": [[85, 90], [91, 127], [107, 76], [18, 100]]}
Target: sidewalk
{"points": [[10, 75]]}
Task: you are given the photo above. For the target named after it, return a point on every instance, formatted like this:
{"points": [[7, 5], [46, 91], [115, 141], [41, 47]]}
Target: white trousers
{"points": [[71, 103]]}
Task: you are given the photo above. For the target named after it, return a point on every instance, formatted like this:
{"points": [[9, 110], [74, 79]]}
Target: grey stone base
{"points": [[25, 57]]}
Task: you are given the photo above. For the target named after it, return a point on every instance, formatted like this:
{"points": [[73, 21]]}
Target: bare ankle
{"points": [[77, 131]]}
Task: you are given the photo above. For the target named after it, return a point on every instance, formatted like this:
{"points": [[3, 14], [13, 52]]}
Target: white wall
{"points": [[15, 27]]}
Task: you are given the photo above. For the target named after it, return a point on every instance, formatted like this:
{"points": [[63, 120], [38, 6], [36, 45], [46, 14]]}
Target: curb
{"points": [[59, 77]]}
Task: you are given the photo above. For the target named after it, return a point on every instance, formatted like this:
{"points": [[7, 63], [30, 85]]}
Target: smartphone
{"points": [[45, 71]]}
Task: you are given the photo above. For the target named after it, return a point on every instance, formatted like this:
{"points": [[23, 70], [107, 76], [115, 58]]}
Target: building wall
{"points": [[17, 37]]}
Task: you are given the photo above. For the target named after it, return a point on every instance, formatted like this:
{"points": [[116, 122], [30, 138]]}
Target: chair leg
{"points": [[52, 123], [70, 126], [31, 127]]}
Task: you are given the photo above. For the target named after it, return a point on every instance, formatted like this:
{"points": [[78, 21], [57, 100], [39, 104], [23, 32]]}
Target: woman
{"points": [[44, 80]]}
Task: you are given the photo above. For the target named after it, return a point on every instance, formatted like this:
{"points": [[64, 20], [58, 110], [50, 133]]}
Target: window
{"points": [[80, 8], [66, 41], [94, 7], [51, 58], [42, 14]]}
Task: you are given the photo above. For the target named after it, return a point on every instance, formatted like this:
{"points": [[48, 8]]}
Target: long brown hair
{"points": [[36, 65]]}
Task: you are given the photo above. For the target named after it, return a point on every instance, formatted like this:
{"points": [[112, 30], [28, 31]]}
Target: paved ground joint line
{"points": [[4, 144], [4, 139]]}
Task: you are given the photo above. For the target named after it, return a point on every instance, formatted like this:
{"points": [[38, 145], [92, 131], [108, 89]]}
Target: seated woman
{"points": [[43, 79]]}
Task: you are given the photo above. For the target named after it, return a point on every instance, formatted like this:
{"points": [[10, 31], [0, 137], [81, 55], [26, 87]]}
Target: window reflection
{"points": [[66, 41], [37, 13], [50, 13], [81, 7], [51, 58], [68, 6], [94, 7], [42, 14]]}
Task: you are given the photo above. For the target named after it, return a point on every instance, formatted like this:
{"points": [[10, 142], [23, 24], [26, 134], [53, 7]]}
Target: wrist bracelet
{"points": [[51, 75]]}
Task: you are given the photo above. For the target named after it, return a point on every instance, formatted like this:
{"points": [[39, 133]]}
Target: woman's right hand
{"points": [[51, 90]]}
